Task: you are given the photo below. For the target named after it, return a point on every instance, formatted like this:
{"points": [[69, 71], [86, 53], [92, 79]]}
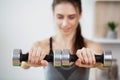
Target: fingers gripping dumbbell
{"points": [[61, 58]]}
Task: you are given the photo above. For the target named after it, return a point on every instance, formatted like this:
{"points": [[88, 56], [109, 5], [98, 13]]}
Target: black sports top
{"points": [[65, 73]]}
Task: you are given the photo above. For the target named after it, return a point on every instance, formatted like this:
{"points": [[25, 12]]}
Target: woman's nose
{"points": [[64, 23]]}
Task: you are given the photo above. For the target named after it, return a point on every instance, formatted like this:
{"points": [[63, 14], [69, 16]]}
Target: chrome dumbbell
{"points": [[61, 58]]}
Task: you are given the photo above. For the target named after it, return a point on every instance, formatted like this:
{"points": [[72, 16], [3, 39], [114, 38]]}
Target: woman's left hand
{"points": [[86, 58]]}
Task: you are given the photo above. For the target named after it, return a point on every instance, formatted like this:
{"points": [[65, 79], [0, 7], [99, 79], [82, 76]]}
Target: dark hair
{"points": [[78, 40]]}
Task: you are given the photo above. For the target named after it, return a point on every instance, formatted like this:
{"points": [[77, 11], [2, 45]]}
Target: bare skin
{"points": [[66, 18]]}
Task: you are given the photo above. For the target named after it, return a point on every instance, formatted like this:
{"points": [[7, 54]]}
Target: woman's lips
{"points": [[66, 30]]}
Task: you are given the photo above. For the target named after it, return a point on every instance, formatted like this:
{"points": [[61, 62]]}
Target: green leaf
{"points": [[112, 25]]}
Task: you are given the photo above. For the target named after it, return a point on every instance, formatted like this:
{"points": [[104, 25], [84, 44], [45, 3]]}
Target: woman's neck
{"points": [[64, 41]]}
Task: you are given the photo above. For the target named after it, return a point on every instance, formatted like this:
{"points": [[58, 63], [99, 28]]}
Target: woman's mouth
{"points": [[66, 30]]}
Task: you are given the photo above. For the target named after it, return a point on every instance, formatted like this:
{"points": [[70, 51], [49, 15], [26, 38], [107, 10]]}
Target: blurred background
{"points": [[23, 22]]}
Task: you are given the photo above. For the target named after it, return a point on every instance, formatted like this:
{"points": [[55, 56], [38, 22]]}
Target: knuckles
{"points": [[36, 55], [87, 59]]}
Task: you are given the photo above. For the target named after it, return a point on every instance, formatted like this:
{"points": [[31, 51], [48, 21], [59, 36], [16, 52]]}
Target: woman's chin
{"points": [[66, 33]]}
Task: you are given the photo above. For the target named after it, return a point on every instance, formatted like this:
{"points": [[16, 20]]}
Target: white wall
{"points": [[23, 22]]}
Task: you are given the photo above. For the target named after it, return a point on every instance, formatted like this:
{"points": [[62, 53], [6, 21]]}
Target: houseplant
{"points": [[111, 34]]}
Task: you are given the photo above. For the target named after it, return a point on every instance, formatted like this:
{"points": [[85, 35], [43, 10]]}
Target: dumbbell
{"points": [[61, 58]]}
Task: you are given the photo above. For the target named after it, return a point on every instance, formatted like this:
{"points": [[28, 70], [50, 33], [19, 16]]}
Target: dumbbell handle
{"points": [[24, 57], [73, 58], [99, 58]]}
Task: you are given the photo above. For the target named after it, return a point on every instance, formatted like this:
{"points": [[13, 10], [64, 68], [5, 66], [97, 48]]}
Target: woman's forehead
{"points": [[65, 8]]}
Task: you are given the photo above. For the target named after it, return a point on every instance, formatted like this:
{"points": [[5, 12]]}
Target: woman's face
{"points": [[66, 18]]}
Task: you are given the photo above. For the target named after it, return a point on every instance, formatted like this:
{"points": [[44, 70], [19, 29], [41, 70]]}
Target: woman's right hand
{"points": [[36, 56]]}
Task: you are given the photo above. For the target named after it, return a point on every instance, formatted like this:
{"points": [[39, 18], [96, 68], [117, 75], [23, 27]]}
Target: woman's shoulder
{"points": [[91, 43], [94, 45], [43, 43]]}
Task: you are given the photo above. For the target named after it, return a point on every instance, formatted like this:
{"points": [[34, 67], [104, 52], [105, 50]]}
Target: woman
{"points": [[67, 14]]}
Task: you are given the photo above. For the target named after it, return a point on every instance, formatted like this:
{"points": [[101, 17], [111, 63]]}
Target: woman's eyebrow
{"points": [[68, 15], [59, 14], [72, 15]]}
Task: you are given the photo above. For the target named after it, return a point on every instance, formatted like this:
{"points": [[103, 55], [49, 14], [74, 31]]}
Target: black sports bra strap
{"points": [[51, 50]]}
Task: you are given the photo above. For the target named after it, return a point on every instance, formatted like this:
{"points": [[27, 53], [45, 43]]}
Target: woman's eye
{"points": [[60, 17], [71, 17]]}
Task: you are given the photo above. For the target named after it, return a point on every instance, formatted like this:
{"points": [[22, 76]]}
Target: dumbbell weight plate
{"points": [[16, 57], [65, 57], [107, 59], [57, 58]]}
